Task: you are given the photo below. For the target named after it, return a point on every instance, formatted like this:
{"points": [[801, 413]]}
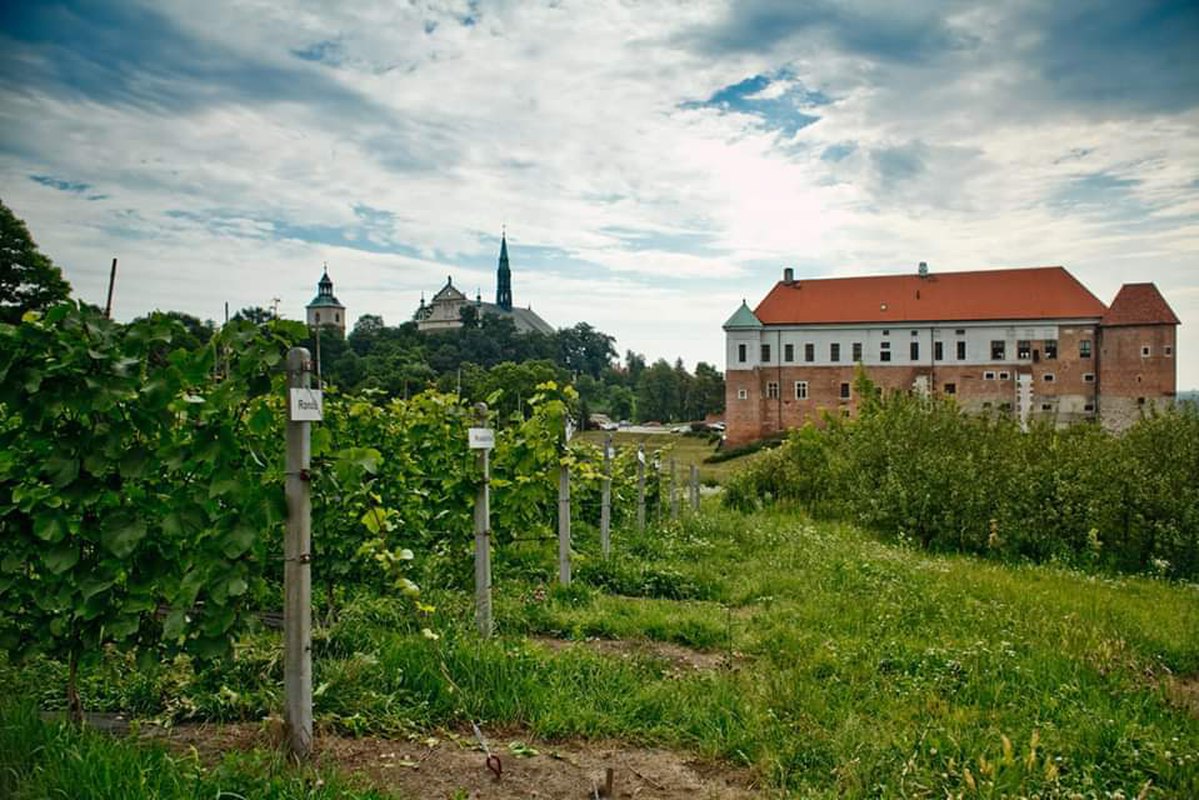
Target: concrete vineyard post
{"points": [[640, 487], [606, 500], [483, 531], [674, 490], [297, 569], [694, 487], [564, 525]]}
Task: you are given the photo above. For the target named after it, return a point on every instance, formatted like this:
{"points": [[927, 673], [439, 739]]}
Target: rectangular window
{"points": [[788, 353], [801, 390], [772, 390], [1005, 407], [1023, 349], [998, 349], [951, 388], [914, 351], [765, 354], [1089, 407], [857, 352], [741, 353], [988, 376], [960, 332], [834, 352], [884, 351], [1003, 376], [1088, 377], [1145, 351], [844, 391], [961, 351], [915, 333], [1048, 377], [1050, 349], [1168, 351], [1084, 348], [986, 406], [743, 394], [1046, 406], [886, 332], [938, 351], [809, 352]]}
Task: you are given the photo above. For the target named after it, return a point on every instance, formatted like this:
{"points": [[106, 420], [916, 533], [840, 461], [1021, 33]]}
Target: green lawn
{"points": [[687, 450], [854, 668]]}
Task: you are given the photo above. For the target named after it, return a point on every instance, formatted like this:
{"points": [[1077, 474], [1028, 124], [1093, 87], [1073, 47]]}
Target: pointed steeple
{"points": [[503, 283]]}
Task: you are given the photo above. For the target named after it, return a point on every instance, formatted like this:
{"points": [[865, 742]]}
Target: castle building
{"points": [[1030, 342], [444, 310], [325, 311]]}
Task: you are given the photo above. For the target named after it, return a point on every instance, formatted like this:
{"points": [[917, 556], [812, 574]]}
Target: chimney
{"points": [[788, 275], [923, 269]]}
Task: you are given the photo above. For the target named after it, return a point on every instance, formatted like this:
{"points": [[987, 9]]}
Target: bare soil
{"points": [[1183, 691], [682, 658], [452, 765]]}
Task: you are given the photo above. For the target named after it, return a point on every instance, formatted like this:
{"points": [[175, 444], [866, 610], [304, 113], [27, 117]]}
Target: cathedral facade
{"points": [[445, 310]]}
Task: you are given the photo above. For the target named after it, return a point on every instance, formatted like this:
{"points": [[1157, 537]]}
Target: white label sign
{"points": [[306, 405], [481, 438], [640, 456], [611, 451]]}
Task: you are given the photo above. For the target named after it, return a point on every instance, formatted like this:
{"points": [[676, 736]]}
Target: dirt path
{"points": [[451, 766], [683, 658]]}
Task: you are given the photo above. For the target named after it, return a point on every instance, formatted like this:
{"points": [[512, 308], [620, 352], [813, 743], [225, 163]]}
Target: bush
{"points": [[921, 470]]}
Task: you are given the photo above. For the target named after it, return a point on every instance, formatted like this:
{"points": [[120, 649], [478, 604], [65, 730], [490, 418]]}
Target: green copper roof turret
{"points": [[743, 319], [503, 283]]}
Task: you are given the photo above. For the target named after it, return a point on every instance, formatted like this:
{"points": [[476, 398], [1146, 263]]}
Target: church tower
{"points": [[503, 283], [325, 310]]}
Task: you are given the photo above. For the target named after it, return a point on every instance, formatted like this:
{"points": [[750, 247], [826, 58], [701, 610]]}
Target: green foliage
{"points": [[921, 470], [29, 281], [126, 483]]}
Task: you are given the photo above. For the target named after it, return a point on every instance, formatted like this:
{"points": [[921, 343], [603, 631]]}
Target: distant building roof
{"points": [[448, 292], [526, 319], [1005, 294], [742, 319], [1139, 304]]}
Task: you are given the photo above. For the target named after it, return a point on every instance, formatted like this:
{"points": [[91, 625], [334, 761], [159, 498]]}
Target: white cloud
{"points": [[565, 121]]}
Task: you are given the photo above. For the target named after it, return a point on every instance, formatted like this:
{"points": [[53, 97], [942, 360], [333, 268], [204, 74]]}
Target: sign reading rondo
{"points": [[481, 438], [306, 405]]}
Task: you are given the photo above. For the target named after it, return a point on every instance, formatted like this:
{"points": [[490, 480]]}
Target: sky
{"points": [[653, 162]]}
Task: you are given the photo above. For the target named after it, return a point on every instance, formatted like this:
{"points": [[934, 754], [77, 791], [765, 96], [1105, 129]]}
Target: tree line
{"points": [[486, 358]]}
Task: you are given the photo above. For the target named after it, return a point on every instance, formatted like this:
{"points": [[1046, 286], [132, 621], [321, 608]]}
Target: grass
{"points": [[40, 760], [867, 669], [687, 450]]}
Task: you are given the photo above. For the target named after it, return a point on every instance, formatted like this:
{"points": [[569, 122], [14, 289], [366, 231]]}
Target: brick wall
{"points": [[1131, 382]]}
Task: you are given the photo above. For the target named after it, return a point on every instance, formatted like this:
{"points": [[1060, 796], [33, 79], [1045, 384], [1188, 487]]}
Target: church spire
{"points": [[503, 284]]}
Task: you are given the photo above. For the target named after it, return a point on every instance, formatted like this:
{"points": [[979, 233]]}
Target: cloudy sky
{"points": [[654, 162]]}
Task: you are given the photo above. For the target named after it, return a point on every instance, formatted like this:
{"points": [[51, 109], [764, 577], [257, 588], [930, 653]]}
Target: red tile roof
{"points": [[1139, 304], [1005, 294]]}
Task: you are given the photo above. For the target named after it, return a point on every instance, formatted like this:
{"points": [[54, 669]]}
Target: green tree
{"points": [[256, 314], [28, 279]]}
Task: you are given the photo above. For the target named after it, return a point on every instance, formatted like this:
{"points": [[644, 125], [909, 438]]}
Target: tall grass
{"points": [[858, 668], [42, 760]]}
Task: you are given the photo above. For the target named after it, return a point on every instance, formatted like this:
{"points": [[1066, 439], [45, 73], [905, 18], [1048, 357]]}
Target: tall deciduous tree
{"points": [[28, 279]]}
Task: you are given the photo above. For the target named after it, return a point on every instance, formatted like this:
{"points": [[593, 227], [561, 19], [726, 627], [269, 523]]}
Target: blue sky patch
{"points": [[785, 111], [63, 186]]}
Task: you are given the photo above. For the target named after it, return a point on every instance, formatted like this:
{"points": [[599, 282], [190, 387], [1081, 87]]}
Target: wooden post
{"points": [[297, 571], [606, 500], [564, 525], [694, 487], [674, 490], [483, 534], [112, 282], [641, 487]]}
